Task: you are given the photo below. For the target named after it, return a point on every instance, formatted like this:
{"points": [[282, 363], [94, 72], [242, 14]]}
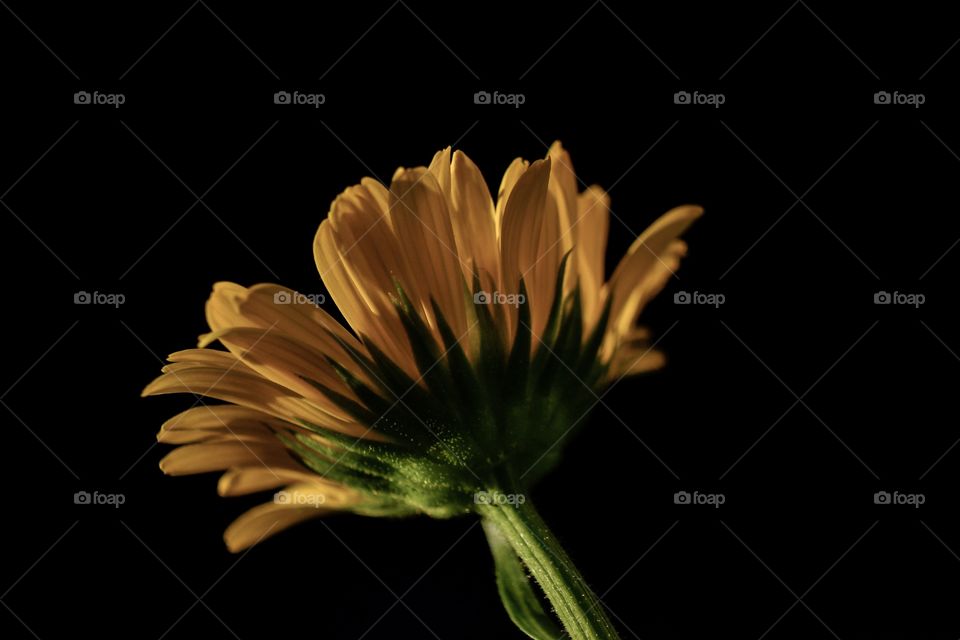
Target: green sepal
{"points": [[518, 364], [356, 410], [556, 307], [591, 348], [333, 469], [552, 328]]}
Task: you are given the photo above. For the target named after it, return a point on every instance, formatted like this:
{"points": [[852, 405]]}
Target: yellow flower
{"points": [[481, 328]]}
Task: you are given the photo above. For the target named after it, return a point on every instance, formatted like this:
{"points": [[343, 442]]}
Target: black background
{"points": [[797, 399]]}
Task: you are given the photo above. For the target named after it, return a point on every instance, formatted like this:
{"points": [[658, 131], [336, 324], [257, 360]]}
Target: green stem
{"points": [[578, 608]]}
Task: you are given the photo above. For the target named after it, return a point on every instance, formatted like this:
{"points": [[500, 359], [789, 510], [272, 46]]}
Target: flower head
{"points": [[481, 330]]}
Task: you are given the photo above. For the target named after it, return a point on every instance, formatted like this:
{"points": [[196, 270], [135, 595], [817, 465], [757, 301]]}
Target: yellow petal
{"points": [[291, 506], [652, 259], [631, 361], [245, 480], [263, 521], [226, 434], [219, 423], [440, 168], [280, 311], [290, 363], [516, 169], [216, 416], [433, 269], [472, 217], [593, 226], [217, 456], [523, 242], [563, 187], [207, 358], [357, 255], [249, 390]]}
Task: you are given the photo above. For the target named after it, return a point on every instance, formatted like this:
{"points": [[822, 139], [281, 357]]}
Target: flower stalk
{"points": [[520, 526]]}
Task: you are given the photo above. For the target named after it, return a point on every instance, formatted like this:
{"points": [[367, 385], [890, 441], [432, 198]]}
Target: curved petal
{"points": [[516, 169], [358, 257], [245, 480], [295, 504], [634, 360], [266, 520], [472, 215], [291, 364], [226, 434], [217, 456], [651, 261], [634, 355], [592, 228], [433, 271], [525, 247], [563, 190], [248, 389], [277, 308]]}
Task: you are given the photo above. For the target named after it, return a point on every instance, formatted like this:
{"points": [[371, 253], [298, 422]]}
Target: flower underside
{"points": [[482, 334], [468, 424]]}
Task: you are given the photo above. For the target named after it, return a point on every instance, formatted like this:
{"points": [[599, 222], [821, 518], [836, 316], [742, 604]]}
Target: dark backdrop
{"points": [[797, 399]]}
